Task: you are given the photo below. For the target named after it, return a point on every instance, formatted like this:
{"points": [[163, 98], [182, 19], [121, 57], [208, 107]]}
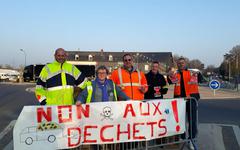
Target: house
{"points": [[114, 59]]}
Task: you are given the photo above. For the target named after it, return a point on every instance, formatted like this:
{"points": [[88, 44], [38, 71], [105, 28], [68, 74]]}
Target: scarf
{"points": [[103, 87]]}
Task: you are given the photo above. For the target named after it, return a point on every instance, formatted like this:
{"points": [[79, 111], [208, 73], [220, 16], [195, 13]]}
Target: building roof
{"points": [[141, 57]]}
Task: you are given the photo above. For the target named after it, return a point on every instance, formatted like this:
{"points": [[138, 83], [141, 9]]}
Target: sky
{"points": [[204, 29]]}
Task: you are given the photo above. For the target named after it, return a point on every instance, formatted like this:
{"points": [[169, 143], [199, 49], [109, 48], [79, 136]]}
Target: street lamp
{"points": [[137, 60], [25, 55]]}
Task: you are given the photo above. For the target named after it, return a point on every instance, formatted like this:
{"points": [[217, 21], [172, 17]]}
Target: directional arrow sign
{"points": [[214, 84]]}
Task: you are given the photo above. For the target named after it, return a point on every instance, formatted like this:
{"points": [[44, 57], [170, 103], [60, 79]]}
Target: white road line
{"points": [[7, 129], [237, 134], [236, 131], [32, 89]]}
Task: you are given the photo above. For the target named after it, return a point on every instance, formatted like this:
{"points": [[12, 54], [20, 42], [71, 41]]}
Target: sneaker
{"points": [[190, 145]]}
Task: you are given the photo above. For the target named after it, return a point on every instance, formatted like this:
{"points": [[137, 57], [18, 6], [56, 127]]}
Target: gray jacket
{"points": [[97, 93]]}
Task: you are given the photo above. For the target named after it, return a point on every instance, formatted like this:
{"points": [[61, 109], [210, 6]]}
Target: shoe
{"points": [[190, 145]]}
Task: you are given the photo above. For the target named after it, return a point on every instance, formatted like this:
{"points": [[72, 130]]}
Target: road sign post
{"points": [[214, 85]]}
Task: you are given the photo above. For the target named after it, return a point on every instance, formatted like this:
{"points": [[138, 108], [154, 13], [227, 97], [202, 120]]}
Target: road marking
{"points": [[236, 131], [7, 129], [210, 137], [30, 90], [237, 134]]}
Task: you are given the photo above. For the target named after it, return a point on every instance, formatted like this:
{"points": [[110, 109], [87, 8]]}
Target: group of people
{"points": [[59, 80]]}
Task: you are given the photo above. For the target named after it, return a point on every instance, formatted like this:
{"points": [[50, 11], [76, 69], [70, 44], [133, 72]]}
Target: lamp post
{"points": [[21, 79], [137, 60], [25, 55]]}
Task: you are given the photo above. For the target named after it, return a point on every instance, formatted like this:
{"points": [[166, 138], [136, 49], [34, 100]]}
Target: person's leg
{"points": [[193, 123], [183, 136]]}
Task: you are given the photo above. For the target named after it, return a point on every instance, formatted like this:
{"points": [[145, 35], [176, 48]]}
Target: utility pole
{"points": [[25, 56], [22, 70]]}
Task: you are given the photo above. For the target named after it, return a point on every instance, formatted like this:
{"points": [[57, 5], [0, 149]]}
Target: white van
{"points": [[4, 76]]}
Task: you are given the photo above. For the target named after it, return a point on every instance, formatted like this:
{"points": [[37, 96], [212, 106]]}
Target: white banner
{"points": [[61, 127]]}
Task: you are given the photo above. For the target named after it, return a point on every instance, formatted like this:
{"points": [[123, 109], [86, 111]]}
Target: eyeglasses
{"points": [[127, 60], [101, 73]]}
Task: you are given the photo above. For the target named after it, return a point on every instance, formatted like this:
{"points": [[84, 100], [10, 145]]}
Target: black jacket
{"points": [[156, 85]]}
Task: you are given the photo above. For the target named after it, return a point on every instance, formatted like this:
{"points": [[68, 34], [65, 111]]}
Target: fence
{"points": [[179, 140]]}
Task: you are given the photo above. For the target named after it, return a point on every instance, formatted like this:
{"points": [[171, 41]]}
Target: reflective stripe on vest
{"points": [[39, 87], [114, 91], [128, 84], [60, 87], [50, 75], [192, 83], [90, 90], [65, 77]]}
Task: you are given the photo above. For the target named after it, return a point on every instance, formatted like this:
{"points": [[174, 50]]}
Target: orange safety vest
{"points": [[186, 79], [130, 82], [194, 84]]}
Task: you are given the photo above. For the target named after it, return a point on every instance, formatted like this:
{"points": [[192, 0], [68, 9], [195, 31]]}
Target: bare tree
{"points": [[196, 64], [233, 60], [176, 57], [7, 66]]}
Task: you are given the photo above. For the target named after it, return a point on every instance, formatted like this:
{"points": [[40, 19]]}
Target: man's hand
{"points": [[171, 72], [78, 103], [142, 88], [43, 102]]}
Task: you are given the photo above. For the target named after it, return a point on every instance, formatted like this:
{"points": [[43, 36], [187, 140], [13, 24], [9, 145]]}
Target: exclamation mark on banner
{"points": [[175, 113]]}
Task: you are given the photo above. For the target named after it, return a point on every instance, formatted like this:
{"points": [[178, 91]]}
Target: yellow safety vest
{"points": [[56, 83]]}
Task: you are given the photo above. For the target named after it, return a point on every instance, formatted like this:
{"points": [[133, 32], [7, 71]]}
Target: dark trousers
{"points": [[191, 118]]}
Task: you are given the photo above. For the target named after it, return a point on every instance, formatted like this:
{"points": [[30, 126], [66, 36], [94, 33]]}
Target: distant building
{"points": [[114, 59]]}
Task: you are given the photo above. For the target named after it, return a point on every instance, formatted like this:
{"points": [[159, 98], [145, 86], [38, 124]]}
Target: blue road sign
{"points": [[214, 84]]}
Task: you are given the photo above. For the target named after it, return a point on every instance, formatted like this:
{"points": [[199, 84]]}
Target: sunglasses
{"points": [[127, 60]]}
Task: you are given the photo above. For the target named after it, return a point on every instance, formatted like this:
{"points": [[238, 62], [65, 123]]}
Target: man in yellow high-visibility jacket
{"points": [[57, 81]]}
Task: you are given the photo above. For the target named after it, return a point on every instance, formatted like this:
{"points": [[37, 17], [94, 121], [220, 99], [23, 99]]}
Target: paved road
{"points": [[14, 97], [12, 100], [223, 113], [220, 111]]}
